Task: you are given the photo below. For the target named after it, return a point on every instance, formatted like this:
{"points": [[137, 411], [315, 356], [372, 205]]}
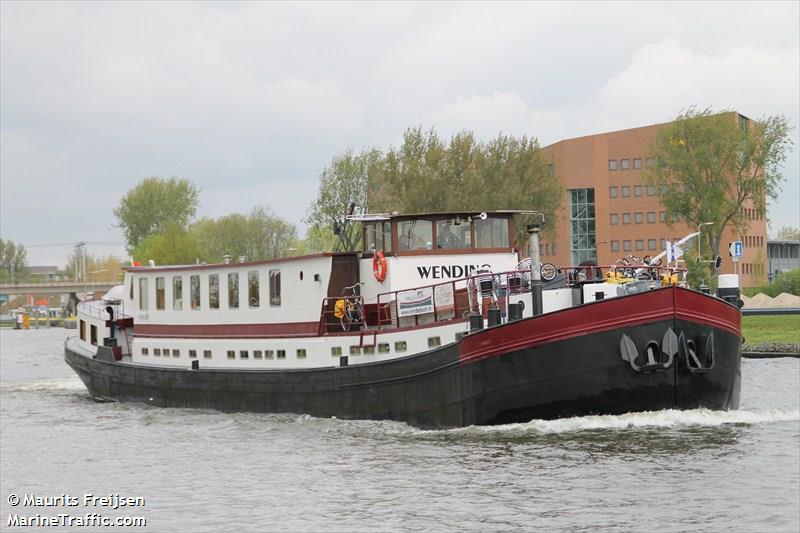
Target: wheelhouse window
{"points": [[378, 236], [252, 289], [160, 293], [453, 234], [415, 234], [491, 233], [177, 293], [233, 290], [143, 294], [213, 291], [275, 288], [194, 289]]}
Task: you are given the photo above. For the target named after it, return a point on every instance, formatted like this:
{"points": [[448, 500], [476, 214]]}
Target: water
{"points": [[201, 470]]}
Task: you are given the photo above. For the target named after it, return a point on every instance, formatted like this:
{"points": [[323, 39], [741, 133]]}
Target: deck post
{"points": [[536, 269]]}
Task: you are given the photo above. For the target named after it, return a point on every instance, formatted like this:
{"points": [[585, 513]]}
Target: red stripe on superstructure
{"points": [[285, 329]]}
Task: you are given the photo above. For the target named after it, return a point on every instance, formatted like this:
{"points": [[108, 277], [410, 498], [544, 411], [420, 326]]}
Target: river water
{"points": [[202, 470]]}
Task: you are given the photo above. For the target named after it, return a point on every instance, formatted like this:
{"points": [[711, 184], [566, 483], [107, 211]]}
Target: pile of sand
{"points": [[762, 301], [785, 299]]}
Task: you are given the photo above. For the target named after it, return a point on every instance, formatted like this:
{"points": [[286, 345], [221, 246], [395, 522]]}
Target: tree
{"points": [[710, 164], [173, 247], [257, 235], [788, 233], [97, 268], [154, 204], [13, 261]]}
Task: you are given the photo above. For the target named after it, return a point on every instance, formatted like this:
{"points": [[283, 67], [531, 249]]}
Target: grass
{"points": [[776, 328]]}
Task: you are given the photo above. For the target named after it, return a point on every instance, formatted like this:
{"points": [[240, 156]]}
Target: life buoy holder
{"points": [[379, 267]]}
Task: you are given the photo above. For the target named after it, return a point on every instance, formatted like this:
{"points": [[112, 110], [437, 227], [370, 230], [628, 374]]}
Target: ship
{"points": [[436, 321]]}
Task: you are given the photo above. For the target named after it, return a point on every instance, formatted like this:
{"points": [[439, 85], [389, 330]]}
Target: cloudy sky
{"points": [[250, 101]]}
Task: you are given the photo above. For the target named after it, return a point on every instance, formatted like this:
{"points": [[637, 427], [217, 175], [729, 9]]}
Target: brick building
{"points": [[608, 212]]}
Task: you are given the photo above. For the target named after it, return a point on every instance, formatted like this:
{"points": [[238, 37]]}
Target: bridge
{"points": [[55, 287]]}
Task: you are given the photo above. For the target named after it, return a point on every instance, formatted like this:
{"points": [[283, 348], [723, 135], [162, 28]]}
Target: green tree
{"points": [[711, 164], [173, 247], [13, 262], [788, 233], [154, 204]]}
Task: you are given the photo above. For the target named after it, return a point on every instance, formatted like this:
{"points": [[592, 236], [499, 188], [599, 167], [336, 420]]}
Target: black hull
{"points": [[467, 383]]}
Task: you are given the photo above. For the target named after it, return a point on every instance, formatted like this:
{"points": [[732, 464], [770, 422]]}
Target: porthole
{"points": [[301, 353], [434, 341], [400, 346], [281, 354], [336, 351], [383, 347], [231, 354]]}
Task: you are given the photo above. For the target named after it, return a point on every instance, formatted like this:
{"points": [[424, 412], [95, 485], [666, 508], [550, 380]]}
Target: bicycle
{"points": [[349, 309]]}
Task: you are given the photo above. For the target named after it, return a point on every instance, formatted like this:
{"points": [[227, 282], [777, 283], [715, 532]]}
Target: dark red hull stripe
{"points": [[653, 306], [206, 331]]}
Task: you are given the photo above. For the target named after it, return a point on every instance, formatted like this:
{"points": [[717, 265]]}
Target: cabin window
{"points": [[383, 347], [460, 335], [93, 334], [453, 234], [301, 353], [231, 354], [194, 288], [165, 351], [177, 293], [275, 288], [491, 233], [252, 288], [434, 341], [400, 346], [269, 354], [281, 354], [157, 352], [355, 350], [336, 351], [131, 289], [258, 354], [213, 291], [243, 354], [378, 236], [369, 350], [83, 330], [192, 354], [207, 354], [176, 353], [415, 234], [160, 293], [233, 290], [143, 294], [145, 351]]}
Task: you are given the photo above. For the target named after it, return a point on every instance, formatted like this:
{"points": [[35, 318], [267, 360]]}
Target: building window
{"points": [[233, 290], [213, 291], [176, 353], [145, 351], [626, 191], [650, 162], [383, 347], [207, 354], [614, 218], [143, 294], [192, 354], [275, 288], [639, 218], [582, 225], [626, 218], [612, 192], [252, 289], [626, 246], [231, 354], [637, 163], [157, 352], [177, 293], [336, 351], [651, 190], [637, 190], [615, 246], [625, 164], [258, 354], [612, 164], [663, 244], [651, 244], [651, 217], [639, 244], [400, 346], [281, 354], [160, 293], [194, 290], [243, 354], [355, 350], [301, 353], [269, 354], [434, 341], [662, 216]]}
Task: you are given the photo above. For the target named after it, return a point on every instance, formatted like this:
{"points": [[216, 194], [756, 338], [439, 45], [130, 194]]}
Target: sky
{"points": [[250, 101]]}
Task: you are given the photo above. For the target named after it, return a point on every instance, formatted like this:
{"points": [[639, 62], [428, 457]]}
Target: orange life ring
{"points": [[379, 267]]}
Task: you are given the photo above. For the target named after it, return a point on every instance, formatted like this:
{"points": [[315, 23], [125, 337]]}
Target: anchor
{"points": [[691, 358], [658, 358]]}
